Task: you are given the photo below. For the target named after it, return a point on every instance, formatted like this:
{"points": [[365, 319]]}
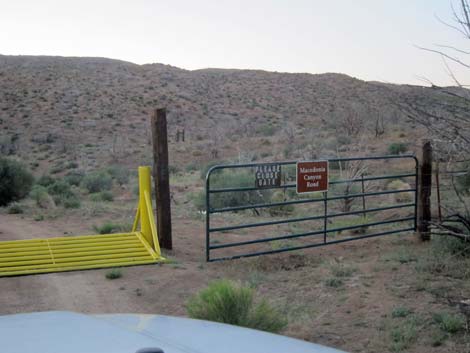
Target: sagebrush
{"points": [[231, 303]]}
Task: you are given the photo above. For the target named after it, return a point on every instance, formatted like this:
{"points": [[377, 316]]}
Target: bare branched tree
{"points": [[449, 117], [446, 115]]}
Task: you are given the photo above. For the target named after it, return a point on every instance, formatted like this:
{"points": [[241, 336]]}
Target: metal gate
{"points": [[366, 197]]}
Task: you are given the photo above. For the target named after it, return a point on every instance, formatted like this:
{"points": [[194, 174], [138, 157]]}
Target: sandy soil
{"points": [[353, 317]]}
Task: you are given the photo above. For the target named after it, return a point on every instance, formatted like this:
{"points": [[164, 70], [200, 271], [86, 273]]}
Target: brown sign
{"points": [[268, 175], [312, 176]]}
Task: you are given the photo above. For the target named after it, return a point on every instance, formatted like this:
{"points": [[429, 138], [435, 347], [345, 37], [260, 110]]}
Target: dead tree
{"points": [[447, 118], [353, 170]]}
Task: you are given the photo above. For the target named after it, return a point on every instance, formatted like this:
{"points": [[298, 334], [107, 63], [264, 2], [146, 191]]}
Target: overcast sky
{"points": [[368, 39]]}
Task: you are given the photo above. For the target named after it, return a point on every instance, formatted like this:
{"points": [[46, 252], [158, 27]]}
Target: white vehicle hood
{"points": [[68, 332]]}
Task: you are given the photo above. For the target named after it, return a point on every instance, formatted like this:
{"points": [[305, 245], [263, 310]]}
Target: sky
{"points": [[374, 40]]}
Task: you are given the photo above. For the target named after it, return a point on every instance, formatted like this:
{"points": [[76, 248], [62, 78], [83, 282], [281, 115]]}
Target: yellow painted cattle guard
{"points": [[22, 257]]}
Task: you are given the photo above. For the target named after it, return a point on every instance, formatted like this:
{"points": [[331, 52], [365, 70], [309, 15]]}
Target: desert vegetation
{"points": [[74, 130]]}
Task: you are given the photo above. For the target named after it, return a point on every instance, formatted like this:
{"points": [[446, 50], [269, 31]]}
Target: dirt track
{"points": [[143, 289], [354, 317]]}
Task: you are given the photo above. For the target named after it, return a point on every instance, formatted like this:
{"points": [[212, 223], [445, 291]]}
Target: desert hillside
{"points": [[82, 126], [88, 111]]}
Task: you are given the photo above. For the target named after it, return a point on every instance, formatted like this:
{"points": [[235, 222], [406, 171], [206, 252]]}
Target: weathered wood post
{"points": [[424, 204], [162, 177]]}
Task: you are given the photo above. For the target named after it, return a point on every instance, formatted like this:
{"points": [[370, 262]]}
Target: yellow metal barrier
{"points": [[22, 257]]}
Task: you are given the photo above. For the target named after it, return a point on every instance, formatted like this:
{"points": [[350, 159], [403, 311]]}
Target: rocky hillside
{"points": [[87, 112]]}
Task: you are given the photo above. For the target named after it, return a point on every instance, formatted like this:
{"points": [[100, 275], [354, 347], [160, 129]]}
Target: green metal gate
{"points": [[360, 203]]}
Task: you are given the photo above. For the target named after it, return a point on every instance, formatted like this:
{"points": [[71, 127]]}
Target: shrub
{"points": [[266, 130], [208, 166], [343, 140], [397, 148], [333, 282], [443, 245], [59, 187], [340, 270], [342, 222], [15, 181], [97, 181], [71, 201], [173, 169], [42, 198], [198, 199], [109, 228], [400, 312], [15, 209], [105, 196], [283, 210], [337, 165], [227, 302], [403, 336], [74, 177], [63, 194], [114, 273], [401, 185], [71, 165], [463, 181], [191, 167], [225, 179], [450, 323], [120, 174], [45, 180]]}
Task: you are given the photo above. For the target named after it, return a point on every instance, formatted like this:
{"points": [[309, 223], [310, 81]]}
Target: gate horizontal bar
{"points": [[346, 159], [286, 186], [340, 197], [302, 219], [300, 235], [311, 245]]}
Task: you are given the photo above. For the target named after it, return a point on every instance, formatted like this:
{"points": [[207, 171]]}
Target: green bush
{"points": [[59, 187], [42, 198], [354, 221], [400, 312], [198, 199], [120, 174], [224, 301], [114, 274], [402, 196], [74, 177], [97, 181], [62, 194], [191, 167], [71, 165], [105, 196], [15, 181], [334, 282], [450, 323], [173, 169], [463, 181], [397, 148], [266, 130], [443, 245], [15, 209], [283, 210], [45, 180], [109, 228], [230, 178], [208, 166], [71, 201], [337, 165], [403, 336]]}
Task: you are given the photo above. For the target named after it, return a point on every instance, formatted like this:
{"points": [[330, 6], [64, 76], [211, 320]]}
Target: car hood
{"points": [[68, 332]]}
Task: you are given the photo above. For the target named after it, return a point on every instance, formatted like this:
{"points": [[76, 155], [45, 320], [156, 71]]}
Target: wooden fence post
{"points": [[161, 177], [425, 185]]}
